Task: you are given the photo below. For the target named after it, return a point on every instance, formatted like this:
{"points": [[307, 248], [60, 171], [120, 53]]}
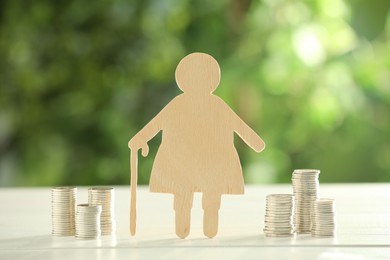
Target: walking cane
{"points": [[133, 188], [133, 185]]}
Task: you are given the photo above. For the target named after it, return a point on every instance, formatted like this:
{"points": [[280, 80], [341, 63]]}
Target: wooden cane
{"points": [[133, 188]]}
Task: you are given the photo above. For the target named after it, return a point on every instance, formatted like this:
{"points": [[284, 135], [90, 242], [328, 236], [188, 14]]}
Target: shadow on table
{"points": [[25, 242], [49, 242]]}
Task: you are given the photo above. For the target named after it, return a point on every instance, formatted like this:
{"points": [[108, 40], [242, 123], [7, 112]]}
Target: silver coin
{"points": [[63, 201], [104, 196], [278, 220], [323, 218], [88, 221], [306, 190]]}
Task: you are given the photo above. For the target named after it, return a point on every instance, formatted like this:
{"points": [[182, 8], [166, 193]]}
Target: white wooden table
{"points": [[363, 232]]}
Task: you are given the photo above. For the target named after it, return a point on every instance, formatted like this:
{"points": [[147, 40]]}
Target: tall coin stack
{"points": [[323, 218], [105, 197], [88, 221], [63, 202], [306, 191], [279, 215]]}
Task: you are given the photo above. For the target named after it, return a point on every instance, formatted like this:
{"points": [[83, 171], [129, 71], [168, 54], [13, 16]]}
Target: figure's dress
{"points": [[185, 164]]}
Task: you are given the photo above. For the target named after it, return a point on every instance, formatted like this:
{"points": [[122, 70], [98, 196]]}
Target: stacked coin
{"points": [[88, 221], [63, 202], [323, 218], [279, 215], [105, 197], [306, 190]]}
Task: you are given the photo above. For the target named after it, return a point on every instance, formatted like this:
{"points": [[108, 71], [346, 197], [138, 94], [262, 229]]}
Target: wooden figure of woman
{"points": [[197, 152]]}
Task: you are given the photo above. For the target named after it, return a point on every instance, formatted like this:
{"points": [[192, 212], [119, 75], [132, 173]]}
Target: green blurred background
{"points": [[79, 78]]}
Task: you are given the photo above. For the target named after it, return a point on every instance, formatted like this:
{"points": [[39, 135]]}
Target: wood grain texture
{"points": [[197, 152]]}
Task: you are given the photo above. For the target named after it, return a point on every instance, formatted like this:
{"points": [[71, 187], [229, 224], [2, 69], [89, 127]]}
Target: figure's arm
{"points": [[141, 139], [247, 134]]}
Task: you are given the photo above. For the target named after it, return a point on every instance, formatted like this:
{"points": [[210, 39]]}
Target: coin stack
{"points": [[306, 191], [63, 202], [105, 197], [279, 215], [323, 218], [88, 221]]}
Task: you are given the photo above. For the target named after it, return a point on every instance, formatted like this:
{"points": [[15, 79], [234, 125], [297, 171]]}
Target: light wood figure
{"points": [[197, 152]]}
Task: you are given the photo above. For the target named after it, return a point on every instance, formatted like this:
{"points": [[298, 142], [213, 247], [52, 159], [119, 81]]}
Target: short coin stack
{"points": [[279, 215], [63, 202], [306, 191], [323, 218], [105, 197], [88, 221]]}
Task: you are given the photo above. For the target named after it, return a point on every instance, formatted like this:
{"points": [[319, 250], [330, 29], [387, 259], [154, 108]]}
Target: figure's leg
{"points": [[211, 204], [182, 205]]}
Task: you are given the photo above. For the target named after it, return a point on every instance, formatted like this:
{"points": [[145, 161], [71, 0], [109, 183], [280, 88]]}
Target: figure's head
{"points": [[198, 73]]}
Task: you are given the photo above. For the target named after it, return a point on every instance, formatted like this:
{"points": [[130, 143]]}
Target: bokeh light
{"points": [[78, 79]]}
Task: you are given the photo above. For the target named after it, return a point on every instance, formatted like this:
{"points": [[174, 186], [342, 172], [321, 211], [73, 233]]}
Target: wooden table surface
{"points": [[363, 227]]}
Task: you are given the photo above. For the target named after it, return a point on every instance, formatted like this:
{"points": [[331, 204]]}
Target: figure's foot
{"points": [[210, 223], [183, 219]]}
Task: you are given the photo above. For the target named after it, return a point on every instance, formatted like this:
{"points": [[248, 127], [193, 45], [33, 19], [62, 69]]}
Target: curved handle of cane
{"points": [[145, 150]]}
